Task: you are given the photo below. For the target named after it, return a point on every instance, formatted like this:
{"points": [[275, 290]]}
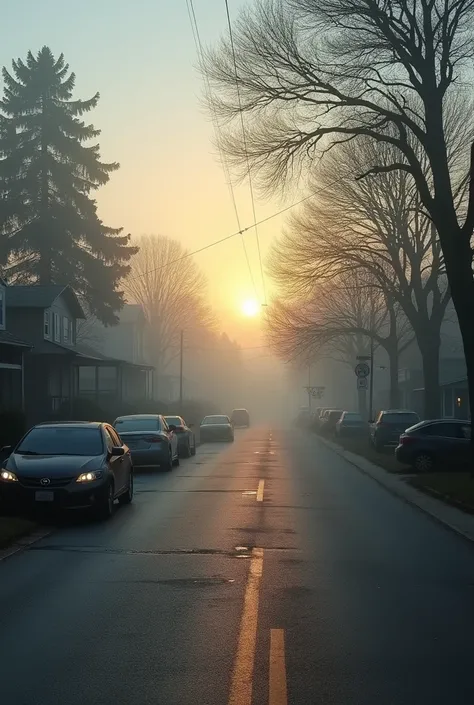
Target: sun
{"points": [[250, 307]]}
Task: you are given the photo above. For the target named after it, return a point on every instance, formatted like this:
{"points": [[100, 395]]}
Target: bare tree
{"points": [[172, 292], [313, 73], [376, 224], [339, 319]]}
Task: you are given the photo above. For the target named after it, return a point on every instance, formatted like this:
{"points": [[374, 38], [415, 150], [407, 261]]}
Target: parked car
{"points": [[329, 421], [72, 465], [443, 443], [389, 425], [185, 433], [152, 442], [350, 424], [216, 428], [240, 418]]}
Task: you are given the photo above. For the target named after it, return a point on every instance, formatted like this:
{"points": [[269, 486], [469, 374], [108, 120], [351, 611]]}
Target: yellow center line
{"points": [[261, 486], [242, 674], [277, 692]]}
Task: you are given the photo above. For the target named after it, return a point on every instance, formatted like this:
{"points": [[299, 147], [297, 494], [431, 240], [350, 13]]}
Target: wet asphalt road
{"points": [[375, 601]]}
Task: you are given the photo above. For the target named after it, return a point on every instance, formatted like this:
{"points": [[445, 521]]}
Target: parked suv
{"points": [[389, 425]]}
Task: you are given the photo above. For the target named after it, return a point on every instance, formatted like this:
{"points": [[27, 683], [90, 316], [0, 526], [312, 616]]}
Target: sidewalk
{"points": [[455, 519]]}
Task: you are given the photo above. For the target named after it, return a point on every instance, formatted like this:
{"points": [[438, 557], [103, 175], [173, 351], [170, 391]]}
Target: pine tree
{"points": [[51, 232]]}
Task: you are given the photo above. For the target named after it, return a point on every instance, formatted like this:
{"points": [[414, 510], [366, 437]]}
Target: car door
{"points": [[465, 443], [117, 464], [173, 438], [445, 443]]}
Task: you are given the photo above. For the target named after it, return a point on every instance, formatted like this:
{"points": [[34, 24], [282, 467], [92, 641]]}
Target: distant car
{"points": [[389, 425], [441, 443], [185, 433], [152, 443], [216, 428], [329, 421], [240, 418], [350, 424], [72, 465]]}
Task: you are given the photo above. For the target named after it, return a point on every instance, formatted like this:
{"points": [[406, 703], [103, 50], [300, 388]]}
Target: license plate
{"points": [[44, 496]]}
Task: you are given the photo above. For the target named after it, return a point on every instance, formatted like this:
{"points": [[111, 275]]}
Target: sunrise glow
{"points": [[250, 307]]}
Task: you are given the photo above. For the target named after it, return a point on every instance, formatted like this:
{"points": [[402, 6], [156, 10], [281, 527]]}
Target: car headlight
{"points": [[90, 476], [7, 476]]}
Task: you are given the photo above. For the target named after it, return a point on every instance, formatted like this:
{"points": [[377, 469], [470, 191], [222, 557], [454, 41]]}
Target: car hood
{"points": [[52, 465]]}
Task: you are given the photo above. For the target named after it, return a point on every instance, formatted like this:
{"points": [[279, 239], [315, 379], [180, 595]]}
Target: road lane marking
{"points": [[277, 692], [261, 486], [242, 674]]}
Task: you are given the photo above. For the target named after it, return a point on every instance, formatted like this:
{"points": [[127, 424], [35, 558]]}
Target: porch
{"points": [[12, 351], [55, 378]]}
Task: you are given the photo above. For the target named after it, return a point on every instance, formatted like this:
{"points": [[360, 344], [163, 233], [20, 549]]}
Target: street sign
{"points": [[316, 392], [362, 383], [362, 370]]}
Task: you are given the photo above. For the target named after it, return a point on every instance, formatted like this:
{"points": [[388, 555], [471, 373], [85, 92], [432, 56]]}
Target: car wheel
{"points": [[127, 497], [187, 451], [169, 465], [423, 462], [105, 506]]}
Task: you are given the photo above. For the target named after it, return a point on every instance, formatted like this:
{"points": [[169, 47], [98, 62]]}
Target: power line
{"points": [[199, 50], [229, 237], [244, 137]]}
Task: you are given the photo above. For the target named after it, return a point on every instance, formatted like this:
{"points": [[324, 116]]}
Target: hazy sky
{"points": [[141, 57]]}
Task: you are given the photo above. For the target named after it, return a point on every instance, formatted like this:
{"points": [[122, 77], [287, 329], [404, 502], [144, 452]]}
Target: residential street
{"points": [[159, 605]]}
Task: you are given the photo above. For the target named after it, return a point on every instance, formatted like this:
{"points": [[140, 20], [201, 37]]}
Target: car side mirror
{"points": [[172, 427], [6, 451], [117, 451]]}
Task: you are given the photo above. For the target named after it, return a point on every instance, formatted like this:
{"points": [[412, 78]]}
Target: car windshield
{"points": [[210, 420], [351, 416], [137, 424], [174, 421], [408, 417], [62, 441]]}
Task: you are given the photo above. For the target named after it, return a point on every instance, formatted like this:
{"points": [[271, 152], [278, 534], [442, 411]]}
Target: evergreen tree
{"points": [[50, 230]]}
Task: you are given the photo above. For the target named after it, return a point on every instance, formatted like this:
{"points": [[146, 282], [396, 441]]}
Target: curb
{"points": [[413, 501], [24, 542]]}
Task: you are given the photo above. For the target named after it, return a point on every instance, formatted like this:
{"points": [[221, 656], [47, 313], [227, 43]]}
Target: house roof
{"points": [[38, 296], [47, 347], [7, 338]]}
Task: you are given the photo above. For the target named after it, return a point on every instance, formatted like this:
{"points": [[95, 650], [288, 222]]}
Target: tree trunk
{"points": [[429, 349], [394, 389]]}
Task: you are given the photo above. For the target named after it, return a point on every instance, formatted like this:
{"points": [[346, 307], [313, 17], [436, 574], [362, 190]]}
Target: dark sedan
{"points": [[442, 443], [350, 424], [185, 434], [216, 428], [68, 465], [152, 442]]}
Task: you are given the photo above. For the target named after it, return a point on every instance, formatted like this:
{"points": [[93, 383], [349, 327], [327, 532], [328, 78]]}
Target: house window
{"points": [[107, 379], [57, 328], [47, 331], [2, 307], [66, 330], [87, 379]]}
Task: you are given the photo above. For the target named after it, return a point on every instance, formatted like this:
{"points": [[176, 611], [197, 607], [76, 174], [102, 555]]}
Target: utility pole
{"points": [[181, 341], [371, 380], [310, 396]]}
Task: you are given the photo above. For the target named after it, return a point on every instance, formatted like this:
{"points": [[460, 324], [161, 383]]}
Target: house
{"points": [[12, 351], [126, 339], [59, 369]]}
